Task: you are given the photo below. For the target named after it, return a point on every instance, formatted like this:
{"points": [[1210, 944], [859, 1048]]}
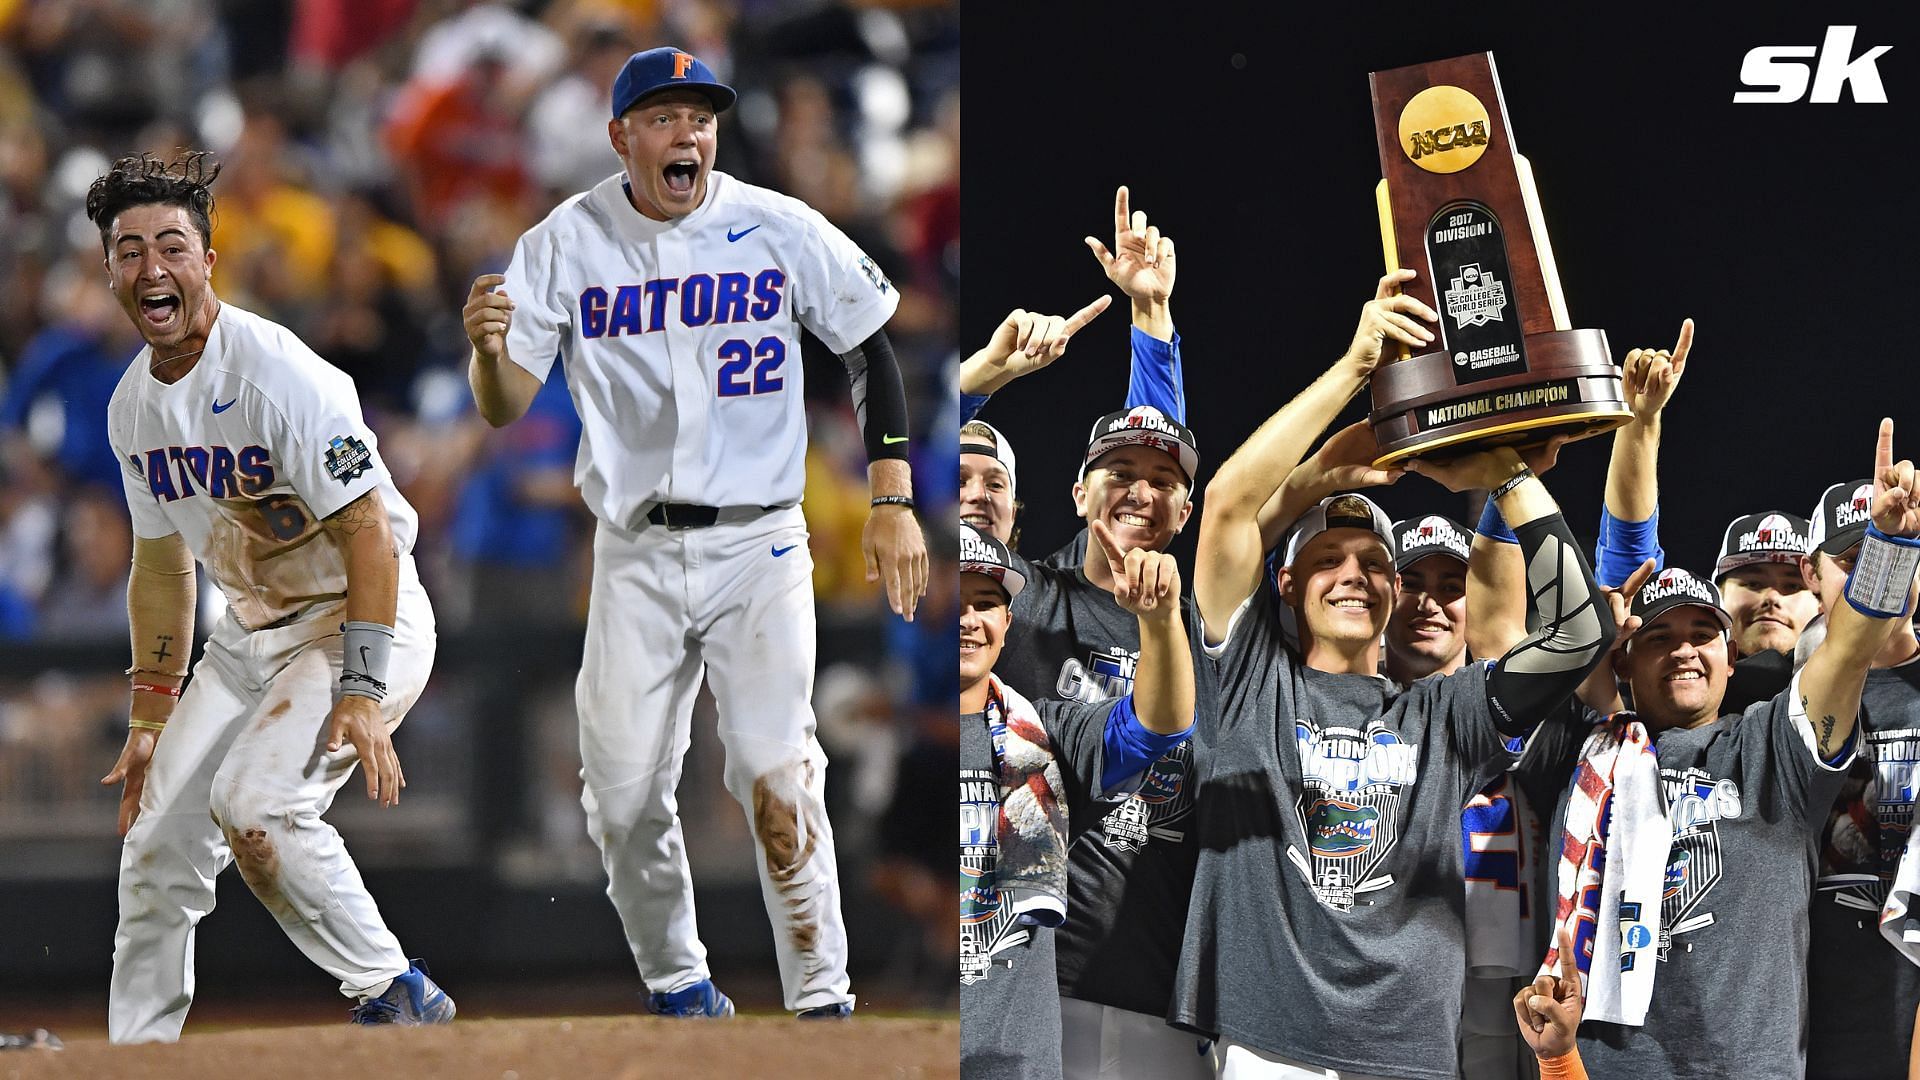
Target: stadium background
{"points": [[1785, 231], [378, 155]]}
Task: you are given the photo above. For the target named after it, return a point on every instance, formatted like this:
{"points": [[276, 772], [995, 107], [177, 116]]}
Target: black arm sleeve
{"points": [[1539, 674], [879, 397]]}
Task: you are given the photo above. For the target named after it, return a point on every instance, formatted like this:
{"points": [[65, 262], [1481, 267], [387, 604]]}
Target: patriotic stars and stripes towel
{"points": [[1613, 860]]}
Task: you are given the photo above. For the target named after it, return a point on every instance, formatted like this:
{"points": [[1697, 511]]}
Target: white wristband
{"points": [[1882, 576], [363, 667]]}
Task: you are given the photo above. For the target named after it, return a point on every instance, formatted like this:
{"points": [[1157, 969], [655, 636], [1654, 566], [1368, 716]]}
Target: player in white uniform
{"points": [[244, 450], [677, 296]]}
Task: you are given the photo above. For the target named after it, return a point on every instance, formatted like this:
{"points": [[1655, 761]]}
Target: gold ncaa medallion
{"points": [[1443, 129]]}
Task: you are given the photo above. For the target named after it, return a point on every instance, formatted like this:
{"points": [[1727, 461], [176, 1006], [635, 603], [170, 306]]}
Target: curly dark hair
{"points": [[185, 182]]}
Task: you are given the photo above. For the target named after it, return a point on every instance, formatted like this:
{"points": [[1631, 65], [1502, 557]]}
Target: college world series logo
{"points": [[1697, 803], [1349, 806], [1475, 298]]}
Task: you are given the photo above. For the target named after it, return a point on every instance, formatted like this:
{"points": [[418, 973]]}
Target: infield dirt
{"points": [[586, 1048]]}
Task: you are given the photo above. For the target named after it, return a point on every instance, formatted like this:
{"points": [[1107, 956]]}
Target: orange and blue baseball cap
{"points": [[667, 68]]}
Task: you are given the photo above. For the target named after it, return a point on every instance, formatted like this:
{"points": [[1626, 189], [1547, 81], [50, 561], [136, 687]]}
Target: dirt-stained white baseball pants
{"points": [[733, 602], [242, 773]]}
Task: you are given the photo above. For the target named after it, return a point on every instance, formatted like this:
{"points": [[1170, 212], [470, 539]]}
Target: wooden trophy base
{"points": [[1571, 387]]}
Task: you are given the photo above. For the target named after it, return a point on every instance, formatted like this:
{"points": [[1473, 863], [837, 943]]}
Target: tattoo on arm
{"points": [[1826, 733], [364, 512]]}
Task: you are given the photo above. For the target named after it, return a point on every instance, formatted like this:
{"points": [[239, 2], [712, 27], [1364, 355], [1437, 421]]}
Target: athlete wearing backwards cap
{"points": [[1328, 888], [1032, 773], [1746, 795], [1862, 994], [678, 295]]}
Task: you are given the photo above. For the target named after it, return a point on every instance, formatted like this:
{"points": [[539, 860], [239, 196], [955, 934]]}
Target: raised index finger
{"points": [[1682, 346], [1631, 587], [1882, 454], [486, 283], [1116, 559], [1569, 966], [1086, 314], [1120, 210]]}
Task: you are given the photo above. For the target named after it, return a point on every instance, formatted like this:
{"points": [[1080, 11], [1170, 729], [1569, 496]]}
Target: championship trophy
{"points": [[1457, 203]]}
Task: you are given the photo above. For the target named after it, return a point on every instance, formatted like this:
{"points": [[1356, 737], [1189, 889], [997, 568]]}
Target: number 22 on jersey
{"points": [[764, 357]]}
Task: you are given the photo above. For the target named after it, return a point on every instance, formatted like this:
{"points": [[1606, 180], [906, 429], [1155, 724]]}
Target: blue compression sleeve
{"points": [[971, 404], [1130, 747], [1623, 545], [1155, 377], [1494, 527]]}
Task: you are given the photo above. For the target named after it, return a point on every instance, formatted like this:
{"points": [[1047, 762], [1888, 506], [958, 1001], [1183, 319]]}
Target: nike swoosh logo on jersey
{"points": [[779, 551], [891, 439], [732, 236], [219, 408]]}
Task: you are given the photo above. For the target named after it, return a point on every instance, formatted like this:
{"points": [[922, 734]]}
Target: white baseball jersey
{"points": [[243, 457], [683, 338]]}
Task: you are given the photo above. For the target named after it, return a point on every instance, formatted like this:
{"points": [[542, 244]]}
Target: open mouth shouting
{"points": [[680, 175], [159, 309]]}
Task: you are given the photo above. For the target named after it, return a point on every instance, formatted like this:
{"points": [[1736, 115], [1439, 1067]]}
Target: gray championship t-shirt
{"points": [[1130, 872], [1747, 796], [1009, 1008], [1861, 993], [1325, 924]]}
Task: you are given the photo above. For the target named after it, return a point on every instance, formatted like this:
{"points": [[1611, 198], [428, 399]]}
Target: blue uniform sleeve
{"points": [[1623, 545], [971, 404], [1155, 377], [1130, 747]]}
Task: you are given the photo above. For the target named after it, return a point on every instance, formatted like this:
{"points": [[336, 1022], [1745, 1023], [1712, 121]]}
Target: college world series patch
{"points": [[347, 457]]}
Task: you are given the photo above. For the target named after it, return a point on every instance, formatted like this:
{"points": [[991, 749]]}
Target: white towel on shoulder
{"points": [[1613, 862]]}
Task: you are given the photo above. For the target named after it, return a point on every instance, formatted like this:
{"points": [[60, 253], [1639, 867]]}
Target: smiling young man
{"points": [[1032, 773], [1747, 796], [1758, 574], [242, 449], [988, 499], [678, 295], [1325, 907], [1427, 634], [1071, 639]]}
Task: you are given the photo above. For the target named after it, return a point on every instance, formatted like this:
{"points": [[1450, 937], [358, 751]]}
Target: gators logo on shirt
{"points": [[1352, 780], [978, 903], [1340, 830], [1676, 874], [1166, 778]]}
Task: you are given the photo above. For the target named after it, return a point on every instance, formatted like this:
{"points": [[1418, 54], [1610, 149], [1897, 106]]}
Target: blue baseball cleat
{"points": [[839, 1010], [702, 999], [413, 999]]}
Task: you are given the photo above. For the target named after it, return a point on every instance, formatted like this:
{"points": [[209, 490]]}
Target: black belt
{"points": [[690, 516]]}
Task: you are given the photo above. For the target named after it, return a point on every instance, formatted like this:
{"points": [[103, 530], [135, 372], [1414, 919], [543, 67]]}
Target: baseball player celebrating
{"points": [[677, 294], [244, 450]]}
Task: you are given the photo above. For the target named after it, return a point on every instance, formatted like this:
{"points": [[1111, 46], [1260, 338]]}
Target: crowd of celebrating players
{"points": [[1351, 797]]}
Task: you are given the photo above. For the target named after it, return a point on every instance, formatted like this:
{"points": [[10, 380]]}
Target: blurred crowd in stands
{"points": [[378, 155]]}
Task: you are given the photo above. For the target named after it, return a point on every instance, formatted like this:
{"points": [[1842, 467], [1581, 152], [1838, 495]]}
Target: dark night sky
{"points": [[1783, 230]]}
